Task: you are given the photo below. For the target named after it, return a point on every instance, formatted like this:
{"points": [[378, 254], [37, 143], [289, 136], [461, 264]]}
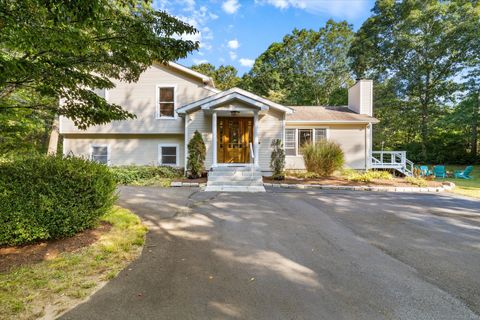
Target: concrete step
{"points": [[230, 168], [234, 188], [234, 183], [233, 174], [231, 179]]}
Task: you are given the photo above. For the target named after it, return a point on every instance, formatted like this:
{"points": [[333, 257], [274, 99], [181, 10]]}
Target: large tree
{"points": [[54, 50], [224, 77], [421, 47], [307, 67]]}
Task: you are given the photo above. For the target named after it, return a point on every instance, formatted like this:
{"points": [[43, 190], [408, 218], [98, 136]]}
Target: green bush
{"points": [[196, 156], [323, 158], [416, 181], [48, 197], [277, 159], [144, 175], [367, 176]]}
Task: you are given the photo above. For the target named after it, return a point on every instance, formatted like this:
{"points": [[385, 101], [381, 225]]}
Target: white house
{"points": [[172, 101]]}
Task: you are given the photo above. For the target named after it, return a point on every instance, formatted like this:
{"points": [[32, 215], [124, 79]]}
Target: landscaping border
{"points": [[446, 186]]}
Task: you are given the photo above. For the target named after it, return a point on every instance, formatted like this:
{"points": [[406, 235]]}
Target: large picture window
{"points": [[168, 154], [166, 102], [296, 138]]}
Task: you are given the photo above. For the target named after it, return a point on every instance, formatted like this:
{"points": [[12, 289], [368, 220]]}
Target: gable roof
{"points": [[233, 94], [205, 79], [328, 114]]}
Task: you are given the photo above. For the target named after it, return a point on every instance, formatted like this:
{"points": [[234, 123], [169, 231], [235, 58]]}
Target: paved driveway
{"points": [[297, 255]]}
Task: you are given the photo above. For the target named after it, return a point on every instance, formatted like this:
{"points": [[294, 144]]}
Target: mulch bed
{"points": [[396, 182], [46, 250], [199, 180]]}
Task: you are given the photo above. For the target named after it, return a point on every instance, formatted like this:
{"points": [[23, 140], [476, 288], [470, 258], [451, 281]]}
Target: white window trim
{"points": [[159, 158], [157, 101], [313, 136], [100, 146]]}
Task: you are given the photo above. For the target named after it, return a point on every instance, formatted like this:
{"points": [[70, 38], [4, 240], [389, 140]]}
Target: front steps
{"points": [[235, 179]]}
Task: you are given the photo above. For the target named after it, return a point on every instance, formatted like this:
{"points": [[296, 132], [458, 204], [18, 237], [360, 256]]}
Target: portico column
{"points": [[255, 137], [214, 138]]}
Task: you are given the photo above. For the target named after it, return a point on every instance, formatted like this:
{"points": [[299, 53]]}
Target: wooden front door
{"points": [[234, 136]]}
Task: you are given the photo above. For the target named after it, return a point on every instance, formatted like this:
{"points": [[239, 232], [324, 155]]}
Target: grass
{"points": [[26, 291], [466, 187]]}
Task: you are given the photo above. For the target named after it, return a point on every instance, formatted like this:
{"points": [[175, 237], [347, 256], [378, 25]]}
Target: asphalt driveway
{"points": [[297, 255]]}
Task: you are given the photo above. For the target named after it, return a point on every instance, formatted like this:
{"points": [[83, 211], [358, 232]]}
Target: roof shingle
{"points": [[328, 114]]}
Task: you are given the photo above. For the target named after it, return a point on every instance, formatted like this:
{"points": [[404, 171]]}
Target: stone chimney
{"points": [[360, 97]]}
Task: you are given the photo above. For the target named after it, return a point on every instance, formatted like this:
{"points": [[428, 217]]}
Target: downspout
{"points": [[185, 153]]}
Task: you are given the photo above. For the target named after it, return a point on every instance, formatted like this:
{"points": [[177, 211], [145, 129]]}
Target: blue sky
{"points": [[235, 32]]}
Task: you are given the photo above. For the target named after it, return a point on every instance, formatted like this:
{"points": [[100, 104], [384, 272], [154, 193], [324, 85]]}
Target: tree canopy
{"points": [[54, 50], [416, 51], [224, 77], [307, 68]]}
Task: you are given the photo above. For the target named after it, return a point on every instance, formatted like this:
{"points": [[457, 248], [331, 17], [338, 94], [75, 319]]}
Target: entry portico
{"points": [[237, 120]]}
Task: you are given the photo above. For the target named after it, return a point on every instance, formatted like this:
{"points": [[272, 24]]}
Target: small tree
{"points": [[196, 156], [277, 160]]}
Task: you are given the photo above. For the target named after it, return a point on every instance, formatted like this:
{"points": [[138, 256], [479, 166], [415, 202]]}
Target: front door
{"points": [[234, 138]]}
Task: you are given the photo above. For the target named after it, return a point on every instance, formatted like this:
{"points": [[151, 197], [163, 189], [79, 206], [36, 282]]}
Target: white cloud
{"points": [[230, 6], [246, 62], [233, 55], [199, 61], [233, 44], [193, 14], [336, 8]]}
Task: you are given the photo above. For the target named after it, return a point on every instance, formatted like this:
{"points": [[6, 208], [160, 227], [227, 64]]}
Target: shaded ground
{"points": [[289, 254], [47, 250]]}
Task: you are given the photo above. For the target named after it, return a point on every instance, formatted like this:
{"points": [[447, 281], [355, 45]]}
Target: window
{"points": [[304, 137], [166, 102], [101, 93], [168, 154], [100, 153], [296, 138], [320, 134], [290, 142]]}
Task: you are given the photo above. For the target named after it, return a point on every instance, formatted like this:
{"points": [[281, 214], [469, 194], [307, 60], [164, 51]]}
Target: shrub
{"points": [[48, 197], [196, 156], [277, 159], [367, 176], [323, 158], [420, 182], [144, 175]]}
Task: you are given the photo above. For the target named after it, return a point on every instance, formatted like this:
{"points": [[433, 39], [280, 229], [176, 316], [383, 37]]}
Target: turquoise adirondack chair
{"points": [[465, 174], [439, 172], [425, 171]]}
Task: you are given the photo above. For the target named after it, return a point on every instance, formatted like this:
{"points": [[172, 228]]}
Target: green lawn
{"points": [[50, 287], [465, 187]]}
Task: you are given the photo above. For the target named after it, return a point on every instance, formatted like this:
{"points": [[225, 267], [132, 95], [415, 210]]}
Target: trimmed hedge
{"points": [[139, 174], [49, 197]]}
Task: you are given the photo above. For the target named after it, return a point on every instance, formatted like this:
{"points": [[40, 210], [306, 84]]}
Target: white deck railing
{"points": [[391, 160]]}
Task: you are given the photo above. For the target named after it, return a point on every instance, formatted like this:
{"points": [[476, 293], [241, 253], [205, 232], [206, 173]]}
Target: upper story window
{"points": [[166, 102]]}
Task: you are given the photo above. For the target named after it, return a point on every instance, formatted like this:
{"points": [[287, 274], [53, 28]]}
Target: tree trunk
{"points": [[53, 142], [476, 108]]}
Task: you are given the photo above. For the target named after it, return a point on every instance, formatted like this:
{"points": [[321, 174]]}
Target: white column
{"points": [[214, 138], [255, 137]]}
